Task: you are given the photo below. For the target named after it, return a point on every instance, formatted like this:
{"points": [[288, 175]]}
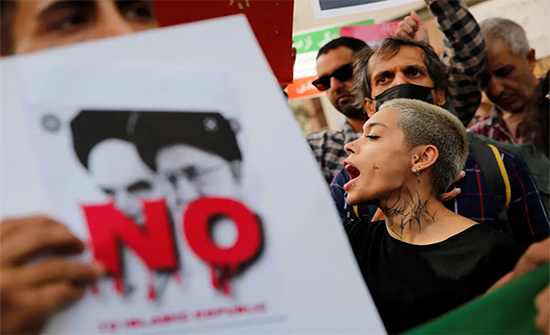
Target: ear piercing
{"points": [[417, 174], [376, 167]]}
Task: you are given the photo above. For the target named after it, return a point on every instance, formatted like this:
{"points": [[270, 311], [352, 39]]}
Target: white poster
{"points": [[151, 168], [331, 8], [302, 279]]}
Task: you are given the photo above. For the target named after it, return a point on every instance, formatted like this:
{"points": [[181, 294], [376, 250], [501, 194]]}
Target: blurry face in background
{"points": [[119, 171], [339, 93], [405, 67], [193, 173], [508, 80], [42, 24]]}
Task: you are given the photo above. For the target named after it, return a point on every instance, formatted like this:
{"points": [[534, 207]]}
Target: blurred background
{"points": [[313, 109]]}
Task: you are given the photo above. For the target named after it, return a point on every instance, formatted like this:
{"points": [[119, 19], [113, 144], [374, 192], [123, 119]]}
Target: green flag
{"points": [[508, 310]]}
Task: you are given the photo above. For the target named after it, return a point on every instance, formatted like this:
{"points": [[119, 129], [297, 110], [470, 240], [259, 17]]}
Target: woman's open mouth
{"points": [[353, 174]]}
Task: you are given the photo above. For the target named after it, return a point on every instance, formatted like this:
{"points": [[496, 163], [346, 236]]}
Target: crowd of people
{"points": [[439, 209]]}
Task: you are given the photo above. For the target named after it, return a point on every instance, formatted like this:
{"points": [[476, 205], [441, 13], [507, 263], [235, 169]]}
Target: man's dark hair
{"points": [[89, 128], [349, 42], [388, 49], [210, 132], [7, 14]]}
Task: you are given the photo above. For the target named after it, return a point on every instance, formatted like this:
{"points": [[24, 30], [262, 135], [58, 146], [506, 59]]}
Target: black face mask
{"points": [[408, 91]]}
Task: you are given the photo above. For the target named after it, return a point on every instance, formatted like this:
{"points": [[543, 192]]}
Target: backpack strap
{"points": [[491, 165]]}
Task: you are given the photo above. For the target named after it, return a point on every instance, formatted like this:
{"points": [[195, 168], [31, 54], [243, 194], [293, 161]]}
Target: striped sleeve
{"points": [[464, 55]]}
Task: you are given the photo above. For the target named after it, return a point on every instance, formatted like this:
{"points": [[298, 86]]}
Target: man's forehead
{"points": [[404, 57], [333, 59], [499, 53]]}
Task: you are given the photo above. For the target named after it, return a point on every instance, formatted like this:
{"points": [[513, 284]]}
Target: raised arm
{"points": [[464, 51], [464, 54]]}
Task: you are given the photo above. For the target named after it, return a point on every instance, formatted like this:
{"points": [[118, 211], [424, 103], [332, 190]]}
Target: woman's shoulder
{"points": [[490, 242], [359, 228], [362, 234]]}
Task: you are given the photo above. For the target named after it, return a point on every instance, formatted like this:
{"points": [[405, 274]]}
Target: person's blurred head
{"points": [[334, 68], [103, 147], [397, 62], [31, 25], [508, 79], [537, 119], [196, 153], [405, 137]]}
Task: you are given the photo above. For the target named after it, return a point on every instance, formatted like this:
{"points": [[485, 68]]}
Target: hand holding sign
{"points": [[30, 294]]}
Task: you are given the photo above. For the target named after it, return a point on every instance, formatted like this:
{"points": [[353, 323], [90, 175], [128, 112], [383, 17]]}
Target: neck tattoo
{"points": [[408, 209]]}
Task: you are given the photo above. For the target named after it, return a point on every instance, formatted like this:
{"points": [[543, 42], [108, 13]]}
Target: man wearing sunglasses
{"points": [[334, 67]]}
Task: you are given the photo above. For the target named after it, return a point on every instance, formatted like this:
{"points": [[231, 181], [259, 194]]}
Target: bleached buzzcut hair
{"points": [[509, 32], [427, 124]]}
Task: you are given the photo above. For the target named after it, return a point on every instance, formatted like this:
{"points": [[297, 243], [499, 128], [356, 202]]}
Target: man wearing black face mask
{"points": [[408, 69]]}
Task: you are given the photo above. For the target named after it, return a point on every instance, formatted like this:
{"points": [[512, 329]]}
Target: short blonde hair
{"points": [[427, 124]]}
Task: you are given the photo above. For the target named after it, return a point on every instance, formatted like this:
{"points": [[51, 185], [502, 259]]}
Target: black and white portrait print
{"points": [[179, 156]]}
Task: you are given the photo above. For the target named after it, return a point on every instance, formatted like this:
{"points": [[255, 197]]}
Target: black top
{"points": [[412, 284]]}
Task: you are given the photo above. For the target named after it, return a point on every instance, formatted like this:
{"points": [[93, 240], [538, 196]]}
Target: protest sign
{"points": [[372, 34], [295, 271], [308, 45], [332, 8], [270, 20]]}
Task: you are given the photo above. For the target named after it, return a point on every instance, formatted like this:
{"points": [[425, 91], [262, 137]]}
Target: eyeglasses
{"points": [[343, 73]]}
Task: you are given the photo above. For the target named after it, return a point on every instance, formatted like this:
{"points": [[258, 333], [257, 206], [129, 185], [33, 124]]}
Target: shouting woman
{"points": [[422, 260]]}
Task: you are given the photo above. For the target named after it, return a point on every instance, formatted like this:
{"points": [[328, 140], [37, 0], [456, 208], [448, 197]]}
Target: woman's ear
{"points": [[424, 156], [370, 106]]}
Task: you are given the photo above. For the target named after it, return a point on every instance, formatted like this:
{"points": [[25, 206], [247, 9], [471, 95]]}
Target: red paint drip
{"points": [[151, 293], [226, 286], [214, 277], [221, 281], [119, 286]]}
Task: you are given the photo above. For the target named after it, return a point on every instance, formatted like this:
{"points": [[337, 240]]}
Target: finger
{"points": [[20, 247], [451, 195], [542, 303], [57, 295], [406, 28], [461, 175], [58, 269], [11, 226], [411, 23], [543, 298], [502, 281], [416, 18], [536, 255], [401, 34], [36, 306], [378, 215]]}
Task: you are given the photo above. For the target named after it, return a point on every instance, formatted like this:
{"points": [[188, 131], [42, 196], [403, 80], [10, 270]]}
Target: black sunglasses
{"points": [[343, 73]]}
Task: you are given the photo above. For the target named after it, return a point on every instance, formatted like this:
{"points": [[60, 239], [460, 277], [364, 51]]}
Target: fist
{"points": [[31, 293], [413, 27]]}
